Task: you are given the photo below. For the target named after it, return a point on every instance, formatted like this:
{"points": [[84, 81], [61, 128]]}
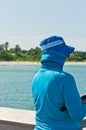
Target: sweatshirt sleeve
{"points": [[73, 103]]}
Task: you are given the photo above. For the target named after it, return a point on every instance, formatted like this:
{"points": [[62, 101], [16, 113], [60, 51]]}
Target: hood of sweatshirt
{"points": [[52, 59]]}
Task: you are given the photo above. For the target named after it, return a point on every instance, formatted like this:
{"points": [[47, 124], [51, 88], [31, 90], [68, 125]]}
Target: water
{"points": [[15, 84], [79, 73]]}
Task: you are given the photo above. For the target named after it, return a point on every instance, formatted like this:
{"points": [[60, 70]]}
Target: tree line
{"points": [[33, 54]]}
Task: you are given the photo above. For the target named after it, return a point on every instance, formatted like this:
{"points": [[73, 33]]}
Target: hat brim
{"points": [[64, 49], [69, 50]]}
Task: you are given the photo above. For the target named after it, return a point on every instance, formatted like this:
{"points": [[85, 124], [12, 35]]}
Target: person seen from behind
{"points": [[56, 98]]}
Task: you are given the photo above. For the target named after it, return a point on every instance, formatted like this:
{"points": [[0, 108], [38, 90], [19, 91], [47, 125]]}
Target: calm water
{"points": [[15, 84]]}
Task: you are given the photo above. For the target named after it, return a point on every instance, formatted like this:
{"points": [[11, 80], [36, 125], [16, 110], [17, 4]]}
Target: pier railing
{"points": [[17, 119]]}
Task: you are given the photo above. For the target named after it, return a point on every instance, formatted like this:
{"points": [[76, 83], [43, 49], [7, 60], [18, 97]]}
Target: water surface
{"points": [[15, 84]]}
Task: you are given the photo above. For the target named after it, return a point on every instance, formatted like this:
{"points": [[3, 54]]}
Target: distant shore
{"points": [[75, 63], [18, 63], [35, 63]]}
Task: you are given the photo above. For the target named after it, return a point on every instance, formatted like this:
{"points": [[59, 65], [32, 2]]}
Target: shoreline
{"points": [[75, 63], [18, 63], [35, 63]]}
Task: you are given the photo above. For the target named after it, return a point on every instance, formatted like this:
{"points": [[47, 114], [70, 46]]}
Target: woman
{"points": [[56, 98]]}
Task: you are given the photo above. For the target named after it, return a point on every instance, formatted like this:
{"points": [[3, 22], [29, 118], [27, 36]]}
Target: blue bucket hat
{"points": [[57, 43]]}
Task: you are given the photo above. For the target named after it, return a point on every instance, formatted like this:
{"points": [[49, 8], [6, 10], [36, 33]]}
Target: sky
{"points": [[27, 22]]}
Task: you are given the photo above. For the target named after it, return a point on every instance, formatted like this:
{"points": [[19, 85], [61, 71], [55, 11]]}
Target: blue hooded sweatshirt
{"points": [[52, 89]]}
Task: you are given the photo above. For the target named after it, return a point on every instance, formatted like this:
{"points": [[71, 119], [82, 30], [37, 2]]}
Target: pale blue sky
{"points": [[27, 22]]}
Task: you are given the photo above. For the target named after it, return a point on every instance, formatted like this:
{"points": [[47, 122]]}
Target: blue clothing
{"points": [[57, 43], [53, 88]]}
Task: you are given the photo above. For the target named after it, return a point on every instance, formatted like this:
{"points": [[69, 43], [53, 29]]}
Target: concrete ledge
{"points": [[7, 125], [17, 119]]}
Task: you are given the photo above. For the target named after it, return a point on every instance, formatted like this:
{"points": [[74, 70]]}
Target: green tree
{"points": [[34, 54], [17, 50], [6, 45], [1, 47]]}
